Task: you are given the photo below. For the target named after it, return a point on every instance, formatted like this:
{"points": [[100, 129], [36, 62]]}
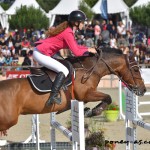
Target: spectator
{"points": [[33, 40], [144, 39], [8, 60], [106, 37], [113, 32], [88, 41], [10, 42], [2, 59], [122, 42], [26, 62], [80, 39], [25, 46], [100, 41], [12, 50], [89, 30], [148, 41], [113, 42], [3, 41], [104, 25], [6, 52], [17, 44], [110, 26], [97, 31], [131, 41], [121, 29]]}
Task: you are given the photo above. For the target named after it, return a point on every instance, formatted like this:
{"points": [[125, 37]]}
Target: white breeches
{"points": [[49, 62]]}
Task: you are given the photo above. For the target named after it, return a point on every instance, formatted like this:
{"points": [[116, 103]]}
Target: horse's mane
{"points": [[105, 50], [111, 50]]}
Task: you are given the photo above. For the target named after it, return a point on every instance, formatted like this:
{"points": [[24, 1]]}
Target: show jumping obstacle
{"points": [[77, 121], [145, 73], [132, 120]]}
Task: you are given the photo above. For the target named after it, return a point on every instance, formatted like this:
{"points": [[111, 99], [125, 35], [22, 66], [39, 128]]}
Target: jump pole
{"points": [[77, 136], [132, 120]]}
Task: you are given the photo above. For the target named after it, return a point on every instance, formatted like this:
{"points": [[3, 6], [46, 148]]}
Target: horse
{"points": [[19, 97]]}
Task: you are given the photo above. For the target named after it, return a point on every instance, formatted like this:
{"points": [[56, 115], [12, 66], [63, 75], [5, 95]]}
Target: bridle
{"points": [[99, 57]]}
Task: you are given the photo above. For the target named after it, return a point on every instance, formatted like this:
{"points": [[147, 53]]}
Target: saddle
{"points": [[42, 78]]}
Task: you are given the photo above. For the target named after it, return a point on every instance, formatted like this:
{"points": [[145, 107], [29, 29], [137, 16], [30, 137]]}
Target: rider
{"points": [[62, 36]]}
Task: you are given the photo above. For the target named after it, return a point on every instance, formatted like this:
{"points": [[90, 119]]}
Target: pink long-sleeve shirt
{"points": [[65, 39]]}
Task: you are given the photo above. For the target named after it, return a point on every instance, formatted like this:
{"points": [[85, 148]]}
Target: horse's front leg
{"points": [[93, 96]]}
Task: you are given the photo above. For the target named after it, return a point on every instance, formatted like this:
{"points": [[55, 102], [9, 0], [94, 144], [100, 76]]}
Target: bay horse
{"points": [[18, 97]]}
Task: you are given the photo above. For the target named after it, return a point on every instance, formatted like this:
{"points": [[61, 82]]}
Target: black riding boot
{"points": [[55, 89]]}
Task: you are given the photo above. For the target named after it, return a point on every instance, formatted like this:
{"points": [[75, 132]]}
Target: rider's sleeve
{"points": [[71, 42]]}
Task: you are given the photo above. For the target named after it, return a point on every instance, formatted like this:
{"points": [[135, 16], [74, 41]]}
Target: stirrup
{"points": [[53, 99]]}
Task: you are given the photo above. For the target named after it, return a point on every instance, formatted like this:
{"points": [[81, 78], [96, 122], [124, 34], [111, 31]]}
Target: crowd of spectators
{"points": [[105, 33], [20, 44]]}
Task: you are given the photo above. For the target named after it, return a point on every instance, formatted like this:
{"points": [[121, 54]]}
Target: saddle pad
{"points": [[42, 83]]}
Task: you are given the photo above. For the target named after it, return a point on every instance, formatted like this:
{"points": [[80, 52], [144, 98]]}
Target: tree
{"points": [[130, 2], [91, 3], [140, 15], [86, 10], [5, 6], [29, 18], [48, 4]]}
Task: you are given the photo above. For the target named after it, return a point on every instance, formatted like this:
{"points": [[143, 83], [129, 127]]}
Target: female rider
{"points": [[60, 37]]}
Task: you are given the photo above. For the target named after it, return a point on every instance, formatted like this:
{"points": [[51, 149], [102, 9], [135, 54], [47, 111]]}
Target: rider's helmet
{"points": [[77, 16]]}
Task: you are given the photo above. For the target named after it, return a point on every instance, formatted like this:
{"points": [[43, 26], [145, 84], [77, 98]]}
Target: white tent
{"points": [[1, 10], [141, 3], [64, 7], [113, 6], [18, 3], [2, 17]]}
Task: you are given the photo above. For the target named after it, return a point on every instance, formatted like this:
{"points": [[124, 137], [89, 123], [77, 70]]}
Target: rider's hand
{"points": [[92, 50]]}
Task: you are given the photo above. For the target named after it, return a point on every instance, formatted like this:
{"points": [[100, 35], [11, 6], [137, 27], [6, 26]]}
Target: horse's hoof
{"points": [[86, 109], [88, 113]]}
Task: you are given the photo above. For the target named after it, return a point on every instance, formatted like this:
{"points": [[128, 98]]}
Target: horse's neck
{"points": [[108, 64], [111, 65]]}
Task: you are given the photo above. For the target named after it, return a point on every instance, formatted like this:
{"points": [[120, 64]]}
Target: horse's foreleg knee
{"points": [[98, 109], [107, 100]]}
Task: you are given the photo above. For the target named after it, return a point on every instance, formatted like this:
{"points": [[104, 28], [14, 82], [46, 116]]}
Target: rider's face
{"points": [[81, 25]]}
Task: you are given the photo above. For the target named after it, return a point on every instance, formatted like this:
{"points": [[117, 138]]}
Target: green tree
{"points": [[130, 2], [5, 6], [91, 3], [28, 18], [86, 10], [140, 15], [48, 4]]}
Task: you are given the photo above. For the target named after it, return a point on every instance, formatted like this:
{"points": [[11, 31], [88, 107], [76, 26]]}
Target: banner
{"points": [[103, 9], [17, 74]]}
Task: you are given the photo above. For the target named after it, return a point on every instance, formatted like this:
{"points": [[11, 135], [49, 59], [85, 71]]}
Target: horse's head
{"points": [[126, 68], [131, 76]]}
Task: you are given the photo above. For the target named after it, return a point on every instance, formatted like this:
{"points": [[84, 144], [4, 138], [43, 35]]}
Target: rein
{"points": [[90, 71], [99, 57]]}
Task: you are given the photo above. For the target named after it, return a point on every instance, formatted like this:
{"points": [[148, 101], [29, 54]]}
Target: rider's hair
{"points": [[58, 29]]}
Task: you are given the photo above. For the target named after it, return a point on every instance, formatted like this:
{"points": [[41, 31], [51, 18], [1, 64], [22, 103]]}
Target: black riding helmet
{"points": [[77, 16]]}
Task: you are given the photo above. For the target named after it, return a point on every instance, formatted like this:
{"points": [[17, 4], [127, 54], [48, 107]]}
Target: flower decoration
{"points": [[113, 106]]}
